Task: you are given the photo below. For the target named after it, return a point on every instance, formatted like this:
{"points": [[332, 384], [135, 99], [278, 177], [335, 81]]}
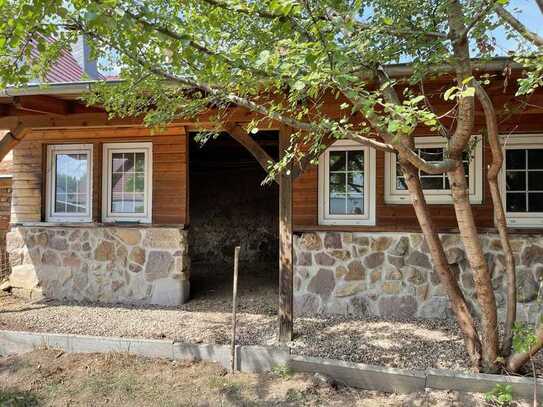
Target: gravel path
{"points": [[406, 344]]}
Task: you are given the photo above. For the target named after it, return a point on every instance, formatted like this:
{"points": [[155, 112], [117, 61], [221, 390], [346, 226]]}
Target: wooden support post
{"points": [[285, 247], [234, 307]]}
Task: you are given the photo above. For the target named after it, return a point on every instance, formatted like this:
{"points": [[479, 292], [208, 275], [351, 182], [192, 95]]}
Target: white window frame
{"points": [[52, 151], [368, 218], [435, 196], [108, 150], [516, 141]]}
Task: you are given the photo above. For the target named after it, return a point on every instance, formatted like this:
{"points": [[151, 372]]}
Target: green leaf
{"points": [[298, 85], [263, 58], [450, 93], [468, 92]]}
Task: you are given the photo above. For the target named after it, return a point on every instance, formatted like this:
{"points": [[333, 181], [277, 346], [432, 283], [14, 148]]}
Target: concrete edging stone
{"points": [[255, 359]]}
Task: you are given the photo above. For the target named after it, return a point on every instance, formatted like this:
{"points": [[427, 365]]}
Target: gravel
{"points": [[206, 318], [415, 344]]}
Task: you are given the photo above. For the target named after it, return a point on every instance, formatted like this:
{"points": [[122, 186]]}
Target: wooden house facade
{"points": [[102, 209]]}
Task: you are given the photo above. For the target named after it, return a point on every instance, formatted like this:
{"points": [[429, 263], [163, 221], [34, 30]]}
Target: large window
{"points": [[522, 180], [347, 185], [436, 187], [69, 183], [127, 182]]}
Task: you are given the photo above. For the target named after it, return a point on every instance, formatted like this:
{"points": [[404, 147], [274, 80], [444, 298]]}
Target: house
{"points": [[107, 210]]}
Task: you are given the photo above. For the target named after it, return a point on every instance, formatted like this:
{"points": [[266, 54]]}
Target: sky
{"points": [[529, 14]]}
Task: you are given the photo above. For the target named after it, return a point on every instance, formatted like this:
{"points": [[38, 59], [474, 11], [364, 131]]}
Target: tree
{"points": [[282, 60]]}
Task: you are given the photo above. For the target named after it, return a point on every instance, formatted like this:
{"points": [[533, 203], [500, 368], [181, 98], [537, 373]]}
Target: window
{"points": [[436, 187], [69, 174], [127, 182], [347, 185], [522, 180]]}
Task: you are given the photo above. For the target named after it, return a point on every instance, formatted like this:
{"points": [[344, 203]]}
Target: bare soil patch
{"points": [[52, 378]]}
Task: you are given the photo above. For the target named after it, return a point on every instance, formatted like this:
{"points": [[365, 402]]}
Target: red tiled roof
{"points": [[65, 69]]}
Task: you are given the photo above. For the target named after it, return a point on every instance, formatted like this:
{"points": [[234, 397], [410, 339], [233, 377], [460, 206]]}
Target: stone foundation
{"points": [[391, 274], [147, 265]]}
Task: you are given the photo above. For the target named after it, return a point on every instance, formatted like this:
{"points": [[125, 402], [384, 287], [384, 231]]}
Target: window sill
{"points": [[97, 225]]}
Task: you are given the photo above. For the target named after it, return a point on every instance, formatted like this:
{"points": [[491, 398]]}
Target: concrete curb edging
{"points": [[363, 376], [248, 358], [408, 381], [254, 359]]}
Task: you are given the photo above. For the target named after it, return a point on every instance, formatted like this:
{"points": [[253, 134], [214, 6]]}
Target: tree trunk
{"points": [[499, 216], [479, 267], [447, 278]]}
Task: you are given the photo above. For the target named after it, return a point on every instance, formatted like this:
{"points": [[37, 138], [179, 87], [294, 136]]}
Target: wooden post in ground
{"points": [[285, 247], [234, 306]]}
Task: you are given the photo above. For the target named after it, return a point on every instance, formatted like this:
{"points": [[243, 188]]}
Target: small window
{"points": [[69, 174], [436, 186], [347, 185], [522, 180], [127, 182]]}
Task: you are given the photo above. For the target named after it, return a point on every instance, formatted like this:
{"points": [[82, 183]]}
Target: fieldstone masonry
{"points": [[103, 264], [391, 274]]}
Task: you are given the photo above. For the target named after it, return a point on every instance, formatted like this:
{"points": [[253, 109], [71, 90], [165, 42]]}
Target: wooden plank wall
{"points": [[169, 170], [393, 217], [389, 217]]}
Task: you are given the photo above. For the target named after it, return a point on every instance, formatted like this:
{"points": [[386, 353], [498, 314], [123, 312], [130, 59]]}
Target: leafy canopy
{"points": [[279, 58]]}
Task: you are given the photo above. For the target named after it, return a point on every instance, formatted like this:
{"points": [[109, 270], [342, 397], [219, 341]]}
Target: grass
{"points": [[47, 378]]}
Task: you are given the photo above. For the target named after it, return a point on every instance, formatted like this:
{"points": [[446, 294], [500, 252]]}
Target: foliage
{"points": [[283, 371], [524, 337], [501, 395]]}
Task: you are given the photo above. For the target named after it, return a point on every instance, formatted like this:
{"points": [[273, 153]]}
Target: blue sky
{"points": [[529, 14]]}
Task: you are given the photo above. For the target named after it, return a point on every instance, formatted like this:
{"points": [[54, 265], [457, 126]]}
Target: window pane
{"points": [[431, 154], [129, 162], [337, 161], [515, 180], [355, 205], [516, 202], [535, 202], [515, 159], [140, 183], [535, 159], [400, 184], [71, 183], [355, 182], [117, 202], [337, 205], [431, 182], [60, 203], [356, 160], [140, 162], [139, 203], [338, 183], [535, 180], [128, 183], [117, 162], [71, 203]]}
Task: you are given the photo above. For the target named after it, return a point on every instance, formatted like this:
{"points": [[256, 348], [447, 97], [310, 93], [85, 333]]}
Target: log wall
{"points": [[169, 170]]}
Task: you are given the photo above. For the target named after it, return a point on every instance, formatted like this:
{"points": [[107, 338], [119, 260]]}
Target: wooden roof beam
{"points": [[42, 104]]}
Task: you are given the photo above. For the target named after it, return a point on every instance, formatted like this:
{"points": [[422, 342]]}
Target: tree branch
{"points": [[499, 214], [518, 26]]}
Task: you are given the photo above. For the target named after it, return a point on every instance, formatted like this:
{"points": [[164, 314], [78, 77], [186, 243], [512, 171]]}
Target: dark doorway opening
{"points": [[229, 206]]}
